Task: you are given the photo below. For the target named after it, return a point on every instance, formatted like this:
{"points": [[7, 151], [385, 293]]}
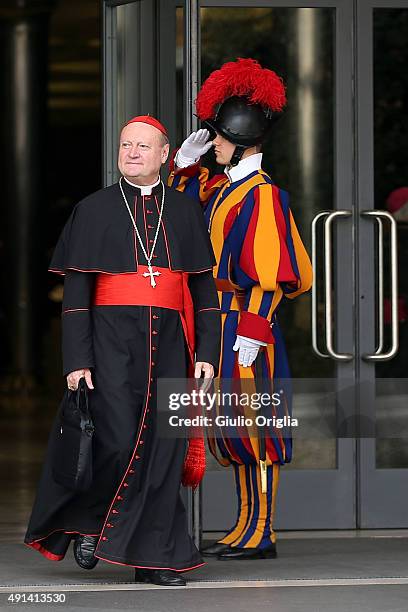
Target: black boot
{"points": [[215, 549], [84, 548], [160, 576], [249, 553]]}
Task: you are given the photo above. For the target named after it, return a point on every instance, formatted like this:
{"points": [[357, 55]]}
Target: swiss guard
{"points": [[260, 261]]}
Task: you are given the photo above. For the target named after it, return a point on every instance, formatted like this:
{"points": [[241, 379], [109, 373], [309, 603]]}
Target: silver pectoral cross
{"points": [[152, 275]]}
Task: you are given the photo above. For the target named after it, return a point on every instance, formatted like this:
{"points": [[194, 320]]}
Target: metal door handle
{"points": [[329, 216], [380, 215], [315, 346], [328, 267], [380, 247]]}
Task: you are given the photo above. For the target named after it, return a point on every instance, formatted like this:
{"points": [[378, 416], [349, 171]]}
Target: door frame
{"points": [[147, 29]]}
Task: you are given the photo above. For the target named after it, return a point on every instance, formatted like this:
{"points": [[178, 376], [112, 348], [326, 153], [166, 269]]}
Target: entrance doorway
{"points": [[340, 151]]}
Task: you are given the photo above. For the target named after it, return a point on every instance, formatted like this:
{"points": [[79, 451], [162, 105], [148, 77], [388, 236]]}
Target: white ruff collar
{"points": [[244, 167]]}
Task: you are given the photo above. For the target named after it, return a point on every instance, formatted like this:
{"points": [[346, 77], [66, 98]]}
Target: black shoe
{"points": [[84, 548], [215, 549], [159, 576], [249, 553]]}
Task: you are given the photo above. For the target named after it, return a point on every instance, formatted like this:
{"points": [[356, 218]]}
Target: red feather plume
{"points": [[245, 77]]}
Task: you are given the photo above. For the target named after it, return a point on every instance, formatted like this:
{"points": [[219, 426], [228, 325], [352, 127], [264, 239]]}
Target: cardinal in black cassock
{"points": [[125, 324]]}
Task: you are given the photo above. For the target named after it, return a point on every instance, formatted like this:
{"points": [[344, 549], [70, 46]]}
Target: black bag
{"points": [[72, 460]]}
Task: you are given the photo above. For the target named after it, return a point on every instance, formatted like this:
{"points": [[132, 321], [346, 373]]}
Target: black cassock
{"points": [[134, 503]]}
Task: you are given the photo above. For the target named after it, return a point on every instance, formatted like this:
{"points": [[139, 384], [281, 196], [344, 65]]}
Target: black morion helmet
{"points": [[242, 123], [240, 101]]}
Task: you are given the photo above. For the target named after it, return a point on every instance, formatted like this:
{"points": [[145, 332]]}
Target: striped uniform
{"points": [[260, 259]]}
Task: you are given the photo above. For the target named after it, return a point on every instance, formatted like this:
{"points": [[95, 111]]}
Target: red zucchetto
{"points": [[150, 121]]}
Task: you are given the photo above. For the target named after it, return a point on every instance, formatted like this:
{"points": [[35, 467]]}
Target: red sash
{"points": [[134, 289]]}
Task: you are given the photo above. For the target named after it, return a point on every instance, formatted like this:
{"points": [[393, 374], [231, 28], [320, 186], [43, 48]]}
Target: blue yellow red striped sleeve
{"points": [[268, 257], [297, 256], [194, 181]]}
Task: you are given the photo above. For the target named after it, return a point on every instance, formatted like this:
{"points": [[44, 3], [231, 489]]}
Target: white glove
{"points": [[193, 148], [248, 350]]}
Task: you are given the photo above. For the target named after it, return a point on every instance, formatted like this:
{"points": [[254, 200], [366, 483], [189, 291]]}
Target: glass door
{"points": [[309, 155], [382, 299]]}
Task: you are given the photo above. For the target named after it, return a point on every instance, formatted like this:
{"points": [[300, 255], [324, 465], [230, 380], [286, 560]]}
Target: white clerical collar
{"points": [[244, 167], [144, 189]]}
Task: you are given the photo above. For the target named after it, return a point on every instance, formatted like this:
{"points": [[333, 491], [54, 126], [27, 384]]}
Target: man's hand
{"points": [[208, 369], [73, 379], [248, 350], [193, 148]]}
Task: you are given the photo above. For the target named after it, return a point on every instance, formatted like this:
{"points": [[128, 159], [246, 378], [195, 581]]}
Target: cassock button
{"points": [[141, 442], [125, 484], [104, 539], [131, 471], [150, 239], [153, 363], [154, 256], [137, 456], [109, 525], [154, 348], [154, 332], [149, 212], [119, 498], [155, 316], [114, 511], [150, 227], [144, 426]]}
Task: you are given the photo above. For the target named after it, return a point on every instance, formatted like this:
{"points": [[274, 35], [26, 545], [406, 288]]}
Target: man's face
{"points": [[142, 151], [224, 150]]}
